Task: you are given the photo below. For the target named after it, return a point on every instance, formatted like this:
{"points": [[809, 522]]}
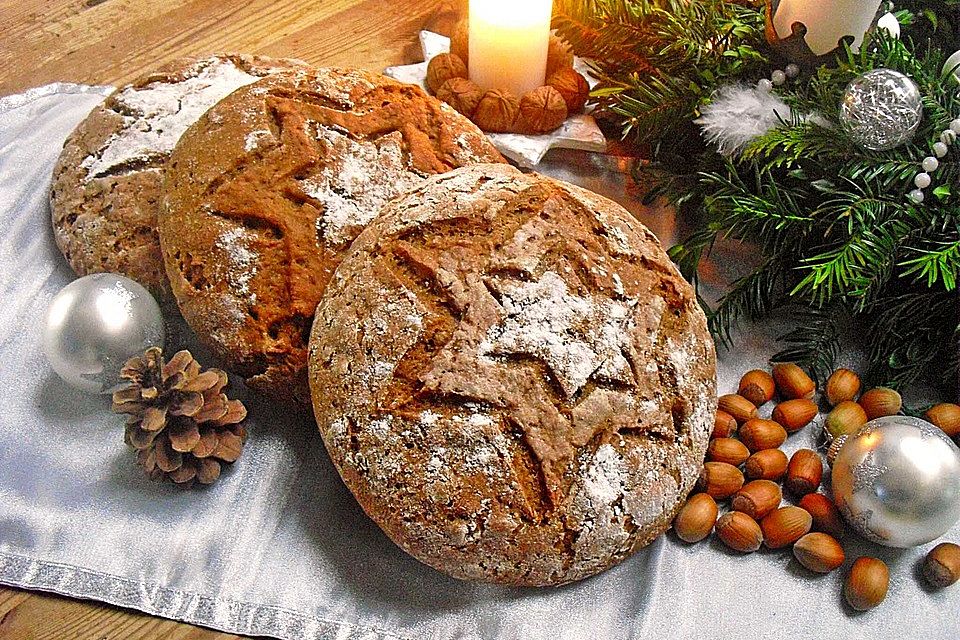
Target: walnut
{"points": [[461, 94], [559, 55], [541, 110], [459, 41], [441, 68], [497, 111], [572, 86]]}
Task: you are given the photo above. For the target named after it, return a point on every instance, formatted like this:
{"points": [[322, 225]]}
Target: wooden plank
{"points": [[114, 41], [37, 616]]}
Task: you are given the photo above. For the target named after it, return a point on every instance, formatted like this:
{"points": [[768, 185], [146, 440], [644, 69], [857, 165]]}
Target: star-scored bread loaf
{"points": [[513, 378]]}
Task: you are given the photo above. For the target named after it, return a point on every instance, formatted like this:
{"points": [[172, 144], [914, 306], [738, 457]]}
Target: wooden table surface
{"points": [[113, 41]]}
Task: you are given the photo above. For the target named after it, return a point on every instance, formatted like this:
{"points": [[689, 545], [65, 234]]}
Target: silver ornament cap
{"points": [[881, 109], [897, 481], [95, 324]]}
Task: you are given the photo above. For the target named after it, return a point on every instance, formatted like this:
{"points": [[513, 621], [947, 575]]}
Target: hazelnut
{"points": [[867, 583], [846, 418], [727, 450], [541, 110], [460, 41], [757, 386], [757, 498], [720, 480], [559, 54], [462, 94], [768, 464], [441, 68], [696, 519], [826, 516], [843, 384], [795, 414], [945, 415], [881, 402], [724, 425], [496, 111], [804, 472], [818, 552], [941, 567], [792, 381], [739, 531], [739, 407], [759, 434], [785, 526], [572, 86]]}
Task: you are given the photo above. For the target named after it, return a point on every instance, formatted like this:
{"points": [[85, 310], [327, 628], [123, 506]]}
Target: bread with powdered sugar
{"points": [[107, 181], [513, 378], [266, 192]]}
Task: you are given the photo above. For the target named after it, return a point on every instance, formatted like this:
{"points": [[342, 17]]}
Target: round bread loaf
{"points": [[512, 378], [106, 183], [266, 192]]}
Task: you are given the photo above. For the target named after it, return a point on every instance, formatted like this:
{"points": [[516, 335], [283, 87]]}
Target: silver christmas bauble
{"points": [[881, 109], [897, 481], [95, 324]]}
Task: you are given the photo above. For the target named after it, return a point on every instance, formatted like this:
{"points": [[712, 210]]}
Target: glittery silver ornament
{"points": [[881, 109], [897, 481], [95, 324]]}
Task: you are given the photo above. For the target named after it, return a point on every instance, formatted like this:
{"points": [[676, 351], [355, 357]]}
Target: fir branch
{"points": [[688, 254], [658, 61], [913, 334], [786, 146], [815, 343], [750, 297], [847, 270], [936, 266]]}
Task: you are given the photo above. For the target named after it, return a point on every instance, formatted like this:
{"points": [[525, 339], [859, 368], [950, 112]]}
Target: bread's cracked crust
{"points": [[447, 368], [105, 213], [266, 192]]}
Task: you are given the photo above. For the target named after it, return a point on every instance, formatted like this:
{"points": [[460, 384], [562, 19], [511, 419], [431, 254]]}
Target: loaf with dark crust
{"points": [[107, 182], [266, 192], [513, 378]]}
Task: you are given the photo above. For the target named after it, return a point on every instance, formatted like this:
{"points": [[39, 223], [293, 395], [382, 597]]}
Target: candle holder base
{"points": [[496, 110], [579, 131], [794, 48]]}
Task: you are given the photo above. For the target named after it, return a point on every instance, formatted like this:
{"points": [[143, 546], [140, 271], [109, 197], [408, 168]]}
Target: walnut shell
{"points": [[462, 94], [559, 55], [497, 111], [541, 110], [573, 88], [441, 68], [460, 41]]}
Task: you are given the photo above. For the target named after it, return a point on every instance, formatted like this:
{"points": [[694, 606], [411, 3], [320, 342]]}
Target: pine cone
{"points": [[181, 425]]}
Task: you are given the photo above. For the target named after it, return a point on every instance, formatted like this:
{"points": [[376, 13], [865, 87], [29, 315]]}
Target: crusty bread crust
{"points": [[266, 192], [512, 378], [106, 188]]}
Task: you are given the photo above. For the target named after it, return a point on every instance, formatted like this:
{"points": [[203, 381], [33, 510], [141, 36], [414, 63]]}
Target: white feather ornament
{"points": [[740, 113]]}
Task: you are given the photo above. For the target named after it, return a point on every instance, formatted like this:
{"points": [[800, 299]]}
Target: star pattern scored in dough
{"points": [[576, 337]]}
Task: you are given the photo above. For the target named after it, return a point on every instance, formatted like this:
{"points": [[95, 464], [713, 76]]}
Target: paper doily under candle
{"points": [[578, 132]]}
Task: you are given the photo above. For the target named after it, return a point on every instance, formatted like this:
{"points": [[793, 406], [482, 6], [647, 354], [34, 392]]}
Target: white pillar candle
{"points": [[508, 43], [826, 20]]}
